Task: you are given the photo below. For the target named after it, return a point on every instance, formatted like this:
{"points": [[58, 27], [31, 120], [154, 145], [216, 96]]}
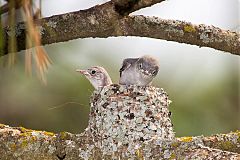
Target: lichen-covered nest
{"points": [[124, 117]]}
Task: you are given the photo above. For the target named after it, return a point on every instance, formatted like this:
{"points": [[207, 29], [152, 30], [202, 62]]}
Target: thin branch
{"points": [[104, 21], [124, 7], [182, 32]]}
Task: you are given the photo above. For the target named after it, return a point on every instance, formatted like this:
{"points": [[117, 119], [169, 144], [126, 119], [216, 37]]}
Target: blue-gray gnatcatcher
{"points": [[138, 71]]}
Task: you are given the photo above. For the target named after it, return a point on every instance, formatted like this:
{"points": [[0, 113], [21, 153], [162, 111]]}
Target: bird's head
{"points": [[97, 76], [148, 66]]}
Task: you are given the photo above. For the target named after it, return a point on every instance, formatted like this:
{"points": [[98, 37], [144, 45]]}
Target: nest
{"points": [[124, 117]]}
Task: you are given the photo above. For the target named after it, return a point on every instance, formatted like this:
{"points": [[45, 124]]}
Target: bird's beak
{"points": [[85, 72]]}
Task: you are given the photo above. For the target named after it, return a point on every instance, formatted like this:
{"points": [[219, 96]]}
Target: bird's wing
{"points": [[127, 63]]}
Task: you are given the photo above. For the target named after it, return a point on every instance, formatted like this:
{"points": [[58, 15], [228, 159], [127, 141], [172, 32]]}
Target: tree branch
{"points": [[104, 21], [124, 7], [182, 32]]}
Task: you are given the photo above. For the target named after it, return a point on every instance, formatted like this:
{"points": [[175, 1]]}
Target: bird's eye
{"points": [[154, 72], [93, 72], [140, 65]]}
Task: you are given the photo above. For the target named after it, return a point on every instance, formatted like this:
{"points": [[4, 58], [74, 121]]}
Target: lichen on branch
{"points": [[106, 20]]}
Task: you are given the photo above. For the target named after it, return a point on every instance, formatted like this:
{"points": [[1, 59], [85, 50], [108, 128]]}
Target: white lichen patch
{"points": [[205, 37], [198, 140], [32, 147], [13, 132], [123, 117], [92, 19], [173, 26], [41, 30], [166, 154], [154, 19], [208, 34], [38, 134], [51, 149], [86, 153], [18, 29], [70, 144], [67, 16], [52, 24]]}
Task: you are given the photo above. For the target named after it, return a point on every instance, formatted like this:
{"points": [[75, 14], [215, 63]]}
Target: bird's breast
{"points": [[132, 77]]}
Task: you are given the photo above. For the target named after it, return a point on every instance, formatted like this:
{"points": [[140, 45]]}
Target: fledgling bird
{"points": [[97, 76], [138, 71]]}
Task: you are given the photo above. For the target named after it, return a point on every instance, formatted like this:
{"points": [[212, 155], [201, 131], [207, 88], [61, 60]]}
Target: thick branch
{"points": [[18, 142], [104, 21]]}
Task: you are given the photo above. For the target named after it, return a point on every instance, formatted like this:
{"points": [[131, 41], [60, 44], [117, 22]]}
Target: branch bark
{"points": [[109, 19]]}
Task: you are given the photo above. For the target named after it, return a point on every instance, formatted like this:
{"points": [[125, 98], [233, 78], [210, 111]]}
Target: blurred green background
{"points": [[203, 83]]}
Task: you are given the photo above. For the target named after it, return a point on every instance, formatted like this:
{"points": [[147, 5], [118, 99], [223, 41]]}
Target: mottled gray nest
{"points": [[124, 117]]}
